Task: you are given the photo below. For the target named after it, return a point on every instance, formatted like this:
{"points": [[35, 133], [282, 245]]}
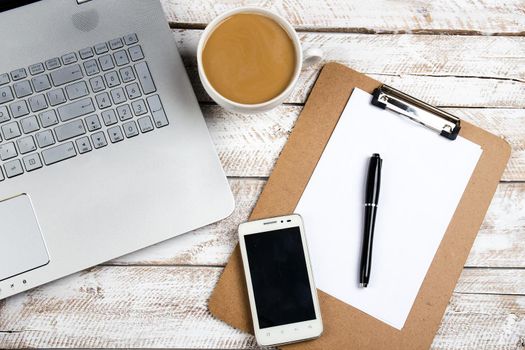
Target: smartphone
{"points": [[281, 290]]}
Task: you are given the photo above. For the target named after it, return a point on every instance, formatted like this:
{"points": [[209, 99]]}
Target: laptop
{"points": [[103, 147]]}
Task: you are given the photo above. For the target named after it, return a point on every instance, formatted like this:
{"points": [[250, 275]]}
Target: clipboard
{"points": [[346, 327]]}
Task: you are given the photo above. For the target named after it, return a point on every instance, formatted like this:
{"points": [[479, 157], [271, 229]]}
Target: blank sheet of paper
{"points": [[423, 178]]}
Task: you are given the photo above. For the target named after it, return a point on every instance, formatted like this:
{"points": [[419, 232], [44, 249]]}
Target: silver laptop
{"points": [[103, 147]]}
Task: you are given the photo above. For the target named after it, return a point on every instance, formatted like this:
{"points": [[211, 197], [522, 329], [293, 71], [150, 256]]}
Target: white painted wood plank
{"points": [[482, 322], [249, 145], [450, 16], [438, 55], [506, 123], [166, 307], [492, 281], [463, 71], [138, 307], [499, 242]]}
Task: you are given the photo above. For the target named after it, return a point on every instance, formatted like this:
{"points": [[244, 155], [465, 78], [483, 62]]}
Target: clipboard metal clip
{"points": [[447, 125]]}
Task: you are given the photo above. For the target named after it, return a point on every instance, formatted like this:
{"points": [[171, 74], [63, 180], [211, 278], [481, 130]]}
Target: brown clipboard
{"points": [[346, 327]]}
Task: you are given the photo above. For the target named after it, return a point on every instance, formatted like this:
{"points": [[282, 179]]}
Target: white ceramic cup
{"points": [[309, 57]]}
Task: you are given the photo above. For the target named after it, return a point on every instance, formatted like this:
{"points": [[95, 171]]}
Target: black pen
{"points": [[373, 183]]}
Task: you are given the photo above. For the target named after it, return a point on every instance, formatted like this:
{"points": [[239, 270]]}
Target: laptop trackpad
{"points": [[22, 246]]}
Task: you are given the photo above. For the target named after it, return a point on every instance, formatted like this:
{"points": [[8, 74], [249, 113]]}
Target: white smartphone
{"points": [[279, 279]]}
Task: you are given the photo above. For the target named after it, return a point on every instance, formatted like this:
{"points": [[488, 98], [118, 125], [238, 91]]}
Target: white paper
{"points": [[423, 178]]}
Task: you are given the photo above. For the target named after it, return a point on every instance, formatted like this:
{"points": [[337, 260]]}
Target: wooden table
{"points": [[465, 56]]}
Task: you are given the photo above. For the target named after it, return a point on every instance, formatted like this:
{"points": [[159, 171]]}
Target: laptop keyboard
{"points": [[48, 113]]}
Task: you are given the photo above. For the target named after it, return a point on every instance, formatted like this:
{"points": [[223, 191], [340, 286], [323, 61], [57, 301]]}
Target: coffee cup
{"points": [[259, 104]]}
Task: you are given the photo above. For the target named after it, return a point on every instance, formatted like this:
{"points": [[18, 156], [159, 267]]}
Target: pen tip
{"points": [[363, 285], [376, 155]]}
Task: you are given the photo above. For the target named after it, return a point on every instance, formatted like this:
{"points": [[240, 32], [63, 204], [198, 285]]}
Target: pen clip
{"points": [[444, 123]]}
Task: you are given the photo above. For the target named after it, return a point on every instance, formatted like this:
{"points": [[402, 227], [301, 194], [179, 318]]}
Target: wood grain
{"points": [[459, 71], [482, 322], [491, 281], [249, 145], [499, 242], [166, 307], [380, 16]]}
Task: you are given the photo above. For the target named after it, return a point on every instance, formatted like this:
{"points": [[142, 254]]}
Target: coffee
{"points": [[249, 58]]}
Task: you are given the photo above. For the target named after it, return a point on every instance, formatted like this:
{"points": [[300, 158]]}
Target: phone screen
{"points": [[279, 277]]}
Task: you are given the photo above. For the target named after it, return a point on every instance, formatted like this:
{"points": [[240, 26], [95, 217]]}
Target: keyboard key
{"points": [[130, 129], [157, 111], [124, 112], [115, 134], [32, 162], [6, 95], [66, 75], [101, 48], [56, 97], [7, 151], [91, 67], [70, 130], [76, 109], [48, 118], [109, 117], [29, 125], [11, 131], [145, 124], [131, 39], [4, 79], [106, 62], [59, 153], [139, 107], [26, 144], [116, 44], [37, 103], [121, 58], [97, 84], [41, 83], [19, 109], [1, 174], [4, 114], [23, 89], [118, 95], [53, 63], [112, 79], [136, 53], [92, 122], [77, 90], [69, 58], [133, 91], [99, 140], [83, 145], [103, 100], [127, 74], [36, 68], [45, 138], [86, 53], [145, 78], [13, 168], [19, 74]]}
